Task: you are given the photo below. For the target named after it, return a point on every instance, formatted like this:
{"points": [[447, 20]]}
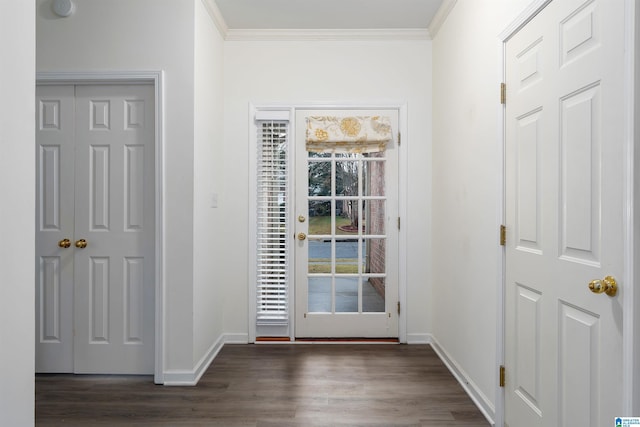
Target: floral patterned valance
{"points": [[362, 134]]}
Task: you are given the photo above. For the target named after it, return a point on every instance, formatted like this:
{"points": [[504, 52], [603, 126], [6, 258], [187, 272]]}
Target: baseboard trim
{"points": [[419, 338], [185, 377], [236, 338], [476, 395]]}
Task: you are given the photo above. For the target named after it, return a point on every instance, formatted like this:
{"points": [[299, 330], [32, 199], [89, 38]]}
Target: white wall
{"points": [[208, 179], [326, 72], [160, 35], [17, 213], [467, 194]]}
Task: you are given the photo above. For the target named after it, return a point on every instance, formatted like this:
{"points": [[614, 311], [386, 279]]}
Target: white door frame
{"points": [[402, 198], [136, 77], [631, 297]]}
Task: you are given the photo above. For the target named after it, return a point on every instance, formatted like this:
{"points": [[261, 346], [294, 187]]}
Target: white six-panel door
{"points": [[563, 342], [95, 166], [55, 169]]}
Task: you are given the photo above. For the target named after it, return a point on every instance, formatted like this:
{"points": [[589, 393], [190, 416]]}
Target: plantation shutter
{"points": [[273, 219]]}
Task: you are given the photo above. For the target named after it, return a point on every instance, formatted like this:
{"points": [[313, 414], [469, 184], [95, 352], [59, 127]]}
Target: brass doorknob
{"points": [[64, 243], [302, 236], [608, 285], [81, 243]]}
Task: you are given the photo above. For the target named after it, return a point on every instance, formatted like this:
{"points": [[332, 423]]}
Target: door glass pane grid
{"points": [[320, 177], [373, 294], [348, 294], [313, 155], [375, 218], [374, 274], [340, 200], [347, 181], [373, 177], [347, 217]]}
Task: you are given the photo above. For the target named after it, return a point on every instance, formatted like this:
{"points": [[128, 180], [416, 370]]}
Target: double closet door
{"points": [[95, 229]]}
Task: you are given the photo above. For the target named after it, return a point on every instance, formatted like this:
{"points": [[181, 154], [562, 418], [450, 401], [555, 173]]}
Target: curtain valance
{"points": [[361, 134]]}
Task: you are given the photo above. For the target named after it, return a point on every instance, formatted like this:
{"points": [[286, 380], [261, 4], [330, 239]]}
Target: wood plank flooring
{"points": [[273, 385]]}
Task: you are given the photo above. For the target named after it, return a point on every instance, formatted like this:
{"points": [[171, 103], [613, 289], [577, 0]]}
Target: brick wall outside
{"points": [[375, 220]]}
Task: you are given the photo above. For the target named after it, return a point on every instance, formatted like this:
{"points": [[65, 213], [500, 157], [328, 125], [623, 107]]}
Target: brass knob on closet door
{"points": [[81, 244], [608, 285], [64, 243], [302, 236]]}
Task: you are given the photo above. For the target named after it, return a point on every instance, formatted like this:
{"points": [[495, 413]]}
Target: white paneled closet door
{"points": [[564, 210], [95, 229], [55, 129]]}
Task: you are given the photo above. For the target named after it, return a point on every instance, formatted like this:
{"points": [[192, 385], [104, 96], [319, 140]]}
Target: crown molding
{"points": [[327, 35], [216, 16], [312, 35], [441, 16]]}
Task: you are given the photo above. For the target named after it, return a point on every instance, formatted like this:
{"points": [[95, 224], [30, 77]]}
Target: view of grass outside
{"points": [[317, 265], [321, 225]]}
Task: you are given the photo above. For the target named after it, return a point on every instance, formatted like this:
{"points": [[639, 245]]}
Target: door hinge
{"points": [[398, 223], [503, 93], [503, 235], [398, 308], [502, 376], [398, 139]]}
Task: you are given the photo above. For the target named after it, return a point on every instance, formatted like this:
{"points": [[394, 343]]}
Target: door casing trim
{"points": [[156, 78]]}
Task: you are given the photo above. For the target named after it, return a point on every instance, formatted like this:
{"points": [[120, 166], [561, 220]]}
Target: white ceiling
{"points": [[327, 14]]}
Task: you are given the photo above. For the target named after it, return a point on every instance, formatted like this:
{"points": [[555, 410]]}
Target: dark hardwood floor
{"points": [[273, 385]]}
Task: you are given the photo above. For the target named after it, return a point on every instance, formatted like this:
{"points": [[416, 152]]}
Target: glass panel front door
{"points": [[346, 267]]}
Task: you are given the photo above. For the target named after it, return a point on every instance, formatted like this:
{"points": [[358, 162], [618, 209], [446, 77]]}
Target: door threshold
{"points": [[272, 339], [351, 340], [326, 340]]}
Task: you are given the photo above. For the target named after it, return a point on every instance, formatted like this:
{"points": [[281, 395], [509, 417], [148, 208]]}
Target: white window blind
{"points": [[272, 221]]}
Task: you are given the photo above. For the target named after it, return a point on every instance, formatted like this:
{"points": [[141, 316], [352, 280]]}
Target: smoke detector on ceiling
{"points": [[63, 8]]}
